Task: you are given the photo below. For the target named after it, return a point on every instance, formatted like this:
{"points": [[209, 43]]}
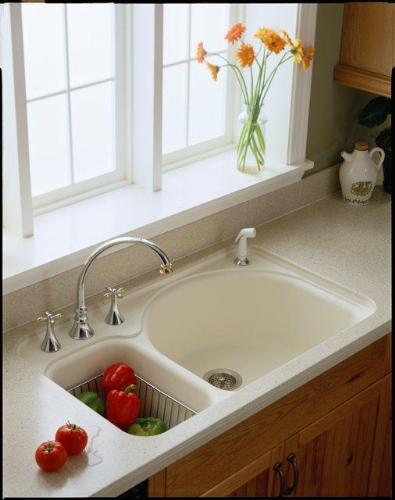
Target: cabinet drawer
{"points": [[217, 460]]}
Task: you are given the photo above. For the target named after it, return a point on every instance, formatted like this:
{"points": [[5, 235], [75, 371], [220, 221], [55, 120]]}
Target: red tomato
{"points": [[72, 437], [51, 456]]}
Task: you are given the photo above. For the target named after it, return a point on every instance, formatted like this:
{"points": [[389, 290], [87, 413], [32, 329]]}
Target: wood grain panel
{"points": [[230, 486], [362, 80], [380, 482], [393, 36], [255, 479], [367, 37], [334, 454], [157, 485], [209, 465], [368, 47]]}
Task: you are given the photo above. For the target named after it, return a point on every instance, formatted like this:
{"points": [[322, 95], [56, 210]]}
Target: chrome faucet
{"points": [[241, 239], [81, 328]]}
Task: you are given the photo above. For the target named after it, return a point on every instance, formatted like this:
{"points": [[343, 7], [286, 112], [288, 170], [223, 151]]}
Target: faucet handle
{"points": [[50, 342], [49, 317], [114, 317], [114, 291]]}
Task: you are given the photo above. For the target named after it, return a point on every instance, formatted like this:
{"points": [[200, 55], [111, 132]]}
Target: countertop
{"points": [[350, 245]]}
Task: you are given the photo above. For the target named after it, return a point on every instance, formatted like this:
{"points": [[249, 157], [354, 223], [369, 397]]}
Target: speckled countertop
{"points": [[349, 245]]}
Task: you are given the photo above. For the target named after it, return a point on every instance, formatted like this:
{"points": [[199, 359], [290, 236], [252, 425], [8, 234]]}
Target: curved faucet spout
{"points": [[81, 328]]}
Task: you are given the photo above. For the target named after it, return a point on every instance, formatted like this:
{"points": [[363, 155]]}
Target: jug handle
{"points": [[346, 156], [382, 156]]}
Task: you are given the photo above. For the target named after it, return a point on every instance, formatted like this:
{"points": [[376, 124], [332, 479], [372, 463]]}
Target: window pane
{"points": [[210, 23], [175, 33], [174, 107], [92, 112], [91, 47], [48, 144], [207, 104], [44, 51]]}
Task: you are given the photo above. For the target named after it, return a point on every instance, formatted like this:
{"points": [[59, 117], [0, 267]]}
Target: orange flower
{"points": [[200, 52], [287, 38], [213, 70], [245, 55], [308, 53], [235, 33], [296, 47], [270, 39], [297, 51], [261, 34]]}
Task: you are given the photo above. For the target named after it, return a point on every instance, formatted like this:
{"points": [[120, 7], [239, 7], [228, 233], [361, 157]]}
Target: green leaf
{"points": [[375, 112]]}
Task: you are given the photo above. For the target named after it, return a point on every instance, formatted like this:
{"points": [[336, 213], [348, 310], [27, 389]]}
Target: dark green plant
{"points": [[375, 112]]}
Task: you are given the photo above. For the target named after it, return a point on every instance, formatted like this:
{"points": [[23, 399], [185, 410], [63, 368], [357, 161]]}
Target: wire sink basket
{"points": [[154, 402]]}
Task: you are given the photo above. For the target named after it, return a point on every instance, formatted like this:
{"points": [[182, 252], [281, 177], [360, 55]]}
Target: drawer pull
{"points": [[291, 458], [283, 487]]}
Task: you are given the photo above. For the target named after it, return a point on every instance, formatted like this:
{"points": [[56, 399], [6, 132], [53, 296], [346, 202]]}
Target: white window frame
{"points": [[226, 141], [79, 190], [140, 112]]}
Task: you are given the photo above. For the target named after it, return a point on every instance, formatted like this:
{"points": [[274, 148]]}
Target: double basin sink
{"points": [[210, 330]]}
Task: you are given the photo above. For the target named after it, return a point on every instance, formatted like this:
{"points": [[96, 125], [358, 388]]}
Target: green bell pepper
{"points": [[148, 426], [93, 400]]}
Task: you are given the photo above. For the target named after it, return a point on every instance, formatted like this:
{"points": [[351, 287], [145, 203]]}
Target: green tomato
{"points": [[93, 400], [148, 426]]}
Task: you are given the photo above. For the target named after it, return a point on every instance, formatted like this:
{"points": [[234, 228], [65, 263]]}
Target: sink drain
{"points": [[225, 379]]}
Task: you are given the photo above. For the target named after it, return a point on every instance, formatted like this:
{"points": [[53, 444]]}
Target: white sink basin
{"points": [[247, 320], [92, 359]]}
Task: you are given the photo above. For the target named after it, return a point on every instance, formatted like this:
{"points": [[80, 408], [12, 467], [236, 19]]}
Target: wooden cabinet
{"points": [[329, 437], [333, 456], [367, 50], [380, 483]]}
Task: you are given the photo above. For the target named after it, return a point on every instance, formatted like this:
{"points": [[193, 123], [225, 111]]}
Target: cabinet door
{"points": [[380, 483], [367, 36], [368, 47], [333, 456], [256, 479]]}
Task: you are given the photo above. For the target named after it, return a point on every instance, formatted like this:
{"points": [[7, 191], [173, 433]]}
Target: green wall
{"points": [[334, 108]]}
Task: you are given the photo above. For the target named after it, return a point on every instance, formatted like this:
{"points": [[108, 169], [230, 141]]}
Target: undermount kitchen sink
{"points": [[247, 321]]}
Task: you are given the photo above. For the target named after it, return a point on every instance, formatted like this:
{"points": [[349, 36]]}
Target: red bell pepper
{"points": [[122, 407], [118, 376]]}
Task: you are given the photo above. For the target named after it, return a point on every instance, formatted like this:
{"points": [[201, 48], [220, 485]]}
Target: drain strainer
{"points": [[225, 379]]}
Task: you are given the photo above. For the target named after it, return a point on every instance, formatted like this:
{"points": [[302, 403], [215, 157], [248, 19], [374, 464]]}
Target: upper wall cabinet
{"points": [[367, 50]]}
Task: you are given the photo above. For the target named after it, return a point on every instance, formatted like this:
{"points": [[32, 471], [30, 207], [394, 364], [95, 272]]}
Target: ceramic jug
{"points": [[358, 173]]}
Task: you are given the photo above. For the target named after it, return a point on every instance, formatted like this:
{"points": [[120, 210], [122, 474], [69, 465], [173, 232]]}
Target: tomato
{"points": [[72, 437], [51, 456]]}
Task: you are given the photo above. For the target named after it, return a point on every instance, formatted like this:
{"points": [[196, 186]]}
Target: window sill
{"points": [[64, 237]]}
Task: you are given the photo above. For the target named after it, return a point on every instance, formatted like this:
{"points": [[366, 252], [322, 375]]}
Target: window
{"points": [[69, 70], [196, 113], [99, 96]]}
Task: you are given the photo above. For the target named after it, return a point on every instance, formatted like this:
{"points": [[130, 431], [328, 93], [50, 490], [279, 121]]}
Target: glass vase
{"points": [[251, 144]]}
